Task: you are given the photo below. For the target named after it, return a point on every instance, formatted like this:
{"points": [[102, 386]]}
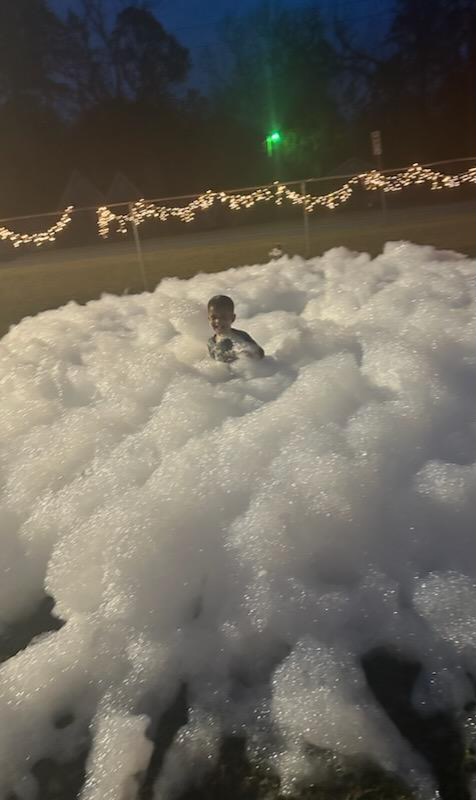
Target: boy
{"points": [[228, 343]]}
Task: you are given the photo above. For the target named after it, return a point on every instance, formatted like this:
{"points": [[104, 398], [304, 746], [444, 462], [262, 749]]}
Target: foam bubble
{"points": [[249, 532]]}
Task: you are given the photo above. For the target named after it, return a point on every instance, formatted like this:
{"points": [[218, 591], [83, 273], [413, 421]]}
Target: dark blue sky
{"points": [[195, 23]]}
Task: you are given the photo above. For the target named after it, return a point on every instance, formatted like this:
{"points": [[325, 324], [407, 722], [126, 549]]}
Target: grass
{"points": [[235, 778], [49, 279]]}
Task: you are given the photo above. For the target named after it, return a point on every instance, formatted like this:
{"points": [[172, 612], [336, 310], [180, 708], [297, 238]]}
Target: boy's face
{"points": [[221, 319]]}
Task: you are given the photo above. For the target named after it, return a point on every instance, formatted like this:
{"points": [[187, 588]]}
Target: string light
{"points": [[17, 239], [141, 210], [280, 193]]}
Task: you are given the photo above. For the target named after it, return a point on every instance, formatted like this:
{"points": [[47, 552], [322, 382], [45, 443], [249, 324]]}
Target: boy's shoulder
{"points": [[241, 334]]}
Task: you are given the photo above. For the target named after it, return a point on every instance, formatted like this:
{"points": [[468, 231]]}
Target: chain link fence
{"points": [[79, 265]]}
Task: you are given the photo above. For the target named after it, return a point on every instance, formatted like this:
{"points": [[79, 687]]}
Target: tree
{"points": [[280, 75], [84, 65], [133, 59], [32, 88], [421, 84], [86, 91], [130, 119], [31, 44], [147, 59]]}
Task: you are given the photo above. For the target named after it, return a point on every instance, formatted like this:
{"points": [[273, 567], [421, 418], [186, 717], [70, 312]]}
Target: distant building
{"points": [[122, 190], [353, 166], [81, 193]]}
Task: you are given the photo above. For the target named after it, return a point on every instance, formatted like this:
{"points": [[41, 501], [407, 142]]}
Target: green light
{"points": [[273, 140]]}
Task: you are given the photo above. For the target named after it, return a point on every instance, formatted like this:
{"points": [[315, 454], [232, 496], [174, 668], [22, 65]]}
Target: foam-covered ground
{"points": [[249, 531]]}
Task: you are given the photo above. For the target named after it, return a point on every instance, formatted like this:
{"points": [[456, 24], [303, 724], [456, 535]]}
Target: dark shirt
{"points": [[228, 348]]}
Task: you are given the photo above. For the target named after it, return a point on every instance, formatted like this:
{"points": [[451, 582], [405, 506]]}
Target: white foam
{"points": [[248, 531]]}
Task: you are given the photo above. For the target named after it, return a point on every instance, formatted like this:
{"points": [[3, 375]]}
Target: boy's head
{"points": [[221, 313]]}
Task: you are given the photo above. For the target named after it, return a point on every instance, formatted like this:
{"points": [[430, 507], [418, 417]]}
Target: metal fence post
{"points": [[383, 197], [140, 256], [307, 243]]}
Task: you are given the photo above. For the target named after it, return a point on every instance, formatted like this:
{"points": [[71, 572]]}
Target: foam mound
{"points": [[248, 532]]}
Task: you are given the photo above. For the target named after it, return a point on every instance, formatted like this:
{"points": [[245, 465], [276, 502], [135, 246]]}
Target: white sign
{"points": [[376, 139]]}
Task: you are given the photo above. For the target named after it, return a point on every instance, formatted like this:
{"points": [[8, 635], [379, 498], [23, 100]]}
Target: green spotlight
{"points": [[273, 140]]}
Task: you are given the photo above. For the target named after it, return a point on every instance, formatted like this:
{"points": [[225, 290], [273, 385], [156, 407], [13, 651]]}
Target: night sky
{"points": [[195, 23], [194, 20]]}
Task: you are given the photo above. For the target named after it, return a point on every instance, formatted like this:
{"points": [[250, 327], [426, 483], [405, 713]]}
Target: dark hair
{"points": [[221, 301]]}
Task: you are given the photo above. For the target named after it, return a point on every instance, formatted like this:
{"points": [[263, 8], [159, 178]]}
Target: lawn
{"points": [[48, 279]]}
